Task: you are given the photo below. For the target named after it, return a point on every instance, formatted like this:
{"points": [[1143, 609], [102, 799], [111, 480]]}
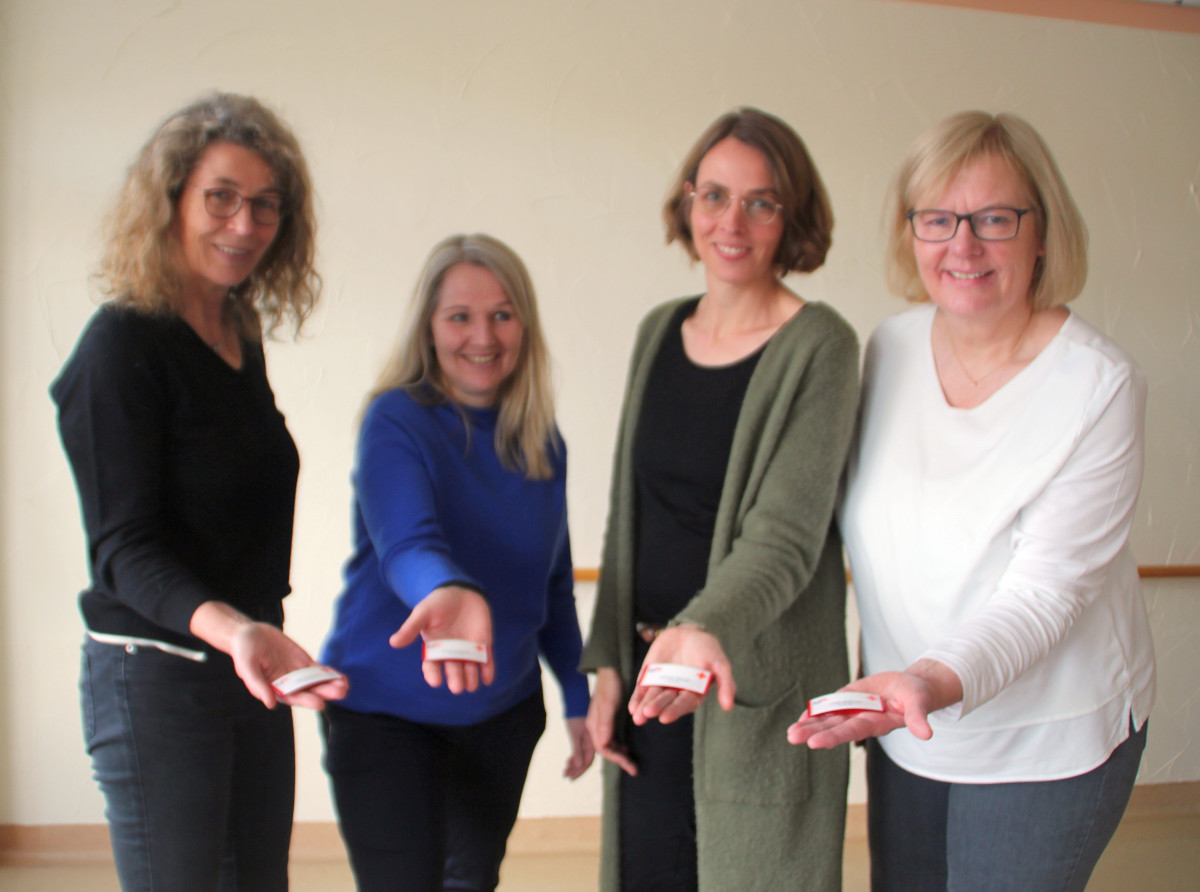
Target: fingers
{"points": [[460, 676], [619, 756], [917, 722], [726, 689], [432, 670], [408, 632]]}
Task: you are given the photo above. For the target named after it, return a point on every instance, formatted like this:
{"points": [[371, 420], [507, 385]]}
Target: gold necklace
{"points": [[975, 382]]}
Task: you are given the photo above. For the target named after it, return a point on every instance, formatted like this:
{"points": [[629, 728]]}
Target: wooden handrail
{"points": [[1160, 571]]}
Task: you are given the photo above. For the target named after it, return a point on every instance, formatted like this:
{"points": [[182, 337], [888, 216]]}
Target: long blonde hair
{"points": [[525, 432], [140, 267]]}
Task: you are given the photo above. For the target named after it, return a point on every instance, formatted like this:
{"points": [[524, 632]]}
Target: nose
{"points": [[734, 216], [242, 222], [965, 240], [483, 330]]}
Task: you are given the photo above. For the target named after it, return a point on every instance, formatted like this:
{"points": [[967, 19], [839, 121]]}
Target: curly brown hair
{"points": [[139, 266]]}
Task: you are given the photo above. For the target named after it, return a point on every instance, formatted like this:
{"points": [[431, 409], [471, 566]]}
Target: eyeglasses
{"points": [[265, 210], [989, 224], [713, 201]]}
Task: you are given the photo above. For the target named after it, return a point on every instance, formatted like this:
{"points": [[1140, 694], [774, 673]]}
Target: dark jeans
{"points": [[426, 808], [658, 809], [197, 775], [1043, 836]]}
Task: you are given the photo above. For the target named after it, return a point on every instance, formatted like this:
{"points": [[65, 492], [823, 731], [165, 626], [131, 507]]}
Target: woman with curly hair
{"points": [[187, 476]]}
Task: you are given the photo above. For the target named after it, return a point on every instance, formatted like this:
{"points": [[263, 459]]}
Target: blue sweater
{"points": [[433, 505]]}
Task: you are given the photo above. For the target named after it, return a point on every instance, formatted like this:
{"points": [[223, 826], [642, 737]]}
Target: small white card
{"points": [[845, 701], [299, 679], [673, 675], [439, 649]]}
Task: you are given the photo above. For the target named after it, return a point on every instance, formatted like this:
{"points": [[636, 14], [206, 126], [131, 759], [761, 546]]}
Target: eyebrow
{"points": [[226, 181], [769, 190], [503, 303]]}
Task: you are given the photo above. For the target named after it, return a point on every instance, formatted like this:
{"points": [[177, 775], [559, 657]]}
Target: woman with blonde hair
{"points": [[187, 477], [987, 514], [460, 532]]}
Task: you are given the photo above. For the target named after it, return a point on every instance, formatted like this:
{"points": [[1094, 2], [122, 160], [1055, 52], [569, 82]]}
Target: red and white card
{"points": [[673, 675], [302, 679], [845, 702], [441, 649]]}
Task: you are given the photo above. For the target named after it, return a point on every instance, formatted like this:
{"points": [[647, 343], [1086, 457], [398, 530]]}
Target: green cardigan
{"points": [[769, 815]]}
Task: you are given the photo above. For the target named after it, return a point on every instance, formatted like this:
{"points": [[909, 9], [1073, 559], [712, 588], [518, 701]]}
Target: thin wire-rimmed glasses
{"points": [[265, 210], [997, 224], [713, 201]]}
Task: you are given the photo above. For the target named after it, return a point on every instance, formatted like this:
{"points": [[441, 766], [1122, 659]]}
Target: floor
{"points": [[1157, 855]]}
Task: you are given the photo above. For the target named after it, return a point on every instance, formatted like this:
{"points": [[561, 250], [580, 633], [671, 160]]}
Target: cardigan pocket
{"points": [[744, 756]]}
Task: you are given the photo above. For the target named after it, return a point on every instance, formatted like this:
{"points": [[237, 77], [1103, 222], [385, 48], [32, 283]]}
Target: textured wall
{"points": [[554, 124]]}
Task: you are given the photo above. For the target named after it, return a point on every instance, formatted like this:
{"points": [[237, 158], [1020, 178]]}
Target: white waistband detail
{"points": [[128, 641]]}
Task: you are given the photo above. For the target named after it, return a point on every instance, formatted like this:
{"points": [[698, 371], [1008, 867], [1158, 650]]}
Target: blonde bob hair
{"points": [[140, 265], [938, 156], [807, 215], [525, 432]]}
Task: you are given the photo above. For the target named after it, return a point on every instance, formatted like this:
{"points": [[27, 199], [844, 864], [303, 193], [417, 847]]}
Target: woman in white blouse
{"points": [[987, 514]]}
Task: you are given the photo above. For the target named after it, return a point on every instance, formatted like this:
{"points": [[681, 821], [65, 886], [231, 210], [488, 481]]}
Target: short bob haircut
{"points": [[938, 156], [140, 266], [807, 215], [525, 432]]}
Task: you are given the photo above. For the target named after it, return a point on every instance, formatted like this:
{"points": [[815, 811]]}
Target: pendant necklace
{"points": [[975, 382]]}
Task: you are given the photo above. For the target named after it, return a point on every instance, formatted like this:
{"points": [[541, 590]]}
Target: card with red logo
{"points": [[673, 675], [301, 679], [845, 702], [439, 649]]}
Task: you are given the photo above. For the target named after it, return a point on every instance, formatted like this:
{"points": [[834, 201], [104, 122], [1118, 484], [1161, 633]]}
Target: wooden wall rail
{"points": [[1161, 571]]}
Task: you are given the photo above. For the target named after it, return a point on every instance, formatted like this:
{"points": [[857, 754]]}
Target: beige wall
{"points": [[553, 124]]}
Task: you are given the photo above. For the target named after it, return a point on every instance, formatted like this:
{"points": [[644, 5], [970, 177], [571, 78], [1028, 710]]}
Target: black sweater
{"points": [[186, 475]]}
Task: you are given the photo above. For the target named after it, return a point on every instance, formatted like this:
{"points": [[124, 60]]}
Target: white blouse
{"points": [[995, 540]]}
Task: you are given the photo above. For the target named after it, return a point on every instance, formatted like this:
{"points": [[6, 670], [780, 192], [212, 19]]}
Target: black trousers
{"points": [[658, 808], [197, 775], [427, 808]]}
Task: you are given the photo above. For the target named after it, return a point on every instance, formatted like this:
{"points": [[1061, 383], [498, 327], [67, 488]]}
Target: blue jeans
{"points": [[431, 804], [1043, 836], [198, 776]]}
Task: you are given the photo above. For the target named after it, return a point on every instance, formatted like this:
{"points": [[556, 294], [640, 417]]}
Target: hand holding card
{"points": [[845, 703], [441, 649], [303, 679], [451, 620], [672, 675]]}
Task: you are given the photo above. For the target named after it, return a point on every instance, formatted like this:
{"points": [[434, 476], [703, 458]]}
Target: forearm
{"points": [[217, 623]]}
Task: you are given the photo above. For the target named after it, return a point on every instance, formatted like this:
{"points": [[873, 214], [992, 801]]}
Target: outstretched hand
{"points": [[684, 645], [908, 698], [261, 653], [451, 612]]}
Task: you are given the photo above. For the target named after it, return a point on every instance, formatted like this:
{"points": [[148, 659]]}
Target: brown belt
{"points": [[648, 631]]}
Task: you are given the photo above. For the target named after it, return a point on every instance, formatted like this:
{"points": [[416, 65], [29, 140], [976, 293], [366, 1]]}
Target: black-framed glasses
{"points": [[996, 224], [713, 201], [265, 210]]}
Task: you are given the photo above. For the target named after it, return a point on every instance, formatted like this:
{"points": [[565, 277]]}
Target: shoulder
{"points": [[397, 406], [903, 327], [1085, 340], [117, 344], [824, 321], [817, 333], [656, 321], [1090, 367], [115, 327]]}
